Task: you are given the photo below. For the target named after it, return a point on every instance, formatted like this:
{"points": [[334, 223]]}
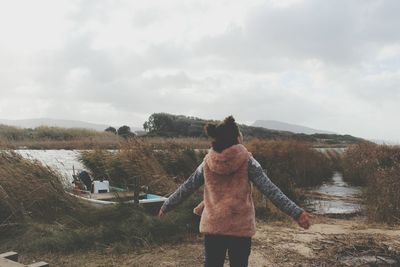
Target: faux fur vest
{"points": [[228, 207]]}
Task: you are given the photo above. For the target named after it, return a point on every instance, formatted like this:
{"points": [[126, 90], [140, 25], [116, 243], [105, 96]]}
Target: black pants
{"points": [[215, 247]]}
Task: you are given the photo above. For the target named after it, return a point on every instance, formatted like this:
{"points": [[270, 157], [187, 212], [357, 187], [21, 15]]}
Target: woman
{"points": [[227, 211]]}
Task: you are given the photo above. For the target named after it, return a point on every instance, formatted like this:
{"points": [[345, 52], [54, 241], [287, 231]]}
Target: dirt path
{"points": [[329, 242]]}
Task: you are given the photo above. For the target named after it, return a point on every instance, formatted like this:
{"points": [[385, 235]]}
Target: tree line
{"points": [[170, 125]]}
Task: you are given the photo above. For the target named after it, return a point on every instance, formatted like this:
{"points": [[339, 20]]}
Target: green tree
{"points": [[125, 131], [160, 124], [111, 130]]}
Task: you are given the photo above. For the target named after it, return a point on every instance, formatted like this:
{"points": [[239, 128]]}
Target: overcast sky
{"points": [[331, 65]]}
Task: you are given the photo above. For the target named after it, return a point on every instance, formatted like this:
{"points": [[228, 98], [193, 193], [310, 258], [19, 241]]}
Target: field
{"points": [[40, 221]]}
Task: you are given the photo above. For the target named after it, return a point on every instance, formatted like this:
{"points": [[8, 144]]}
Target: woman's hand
{"points": [[304, 220], [161, 214]]}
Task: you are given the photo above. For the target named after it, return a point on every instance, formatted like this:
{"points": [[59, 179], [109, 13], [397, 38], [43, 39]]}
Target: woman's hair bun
{"points": [[229, 120], [211, 130]]}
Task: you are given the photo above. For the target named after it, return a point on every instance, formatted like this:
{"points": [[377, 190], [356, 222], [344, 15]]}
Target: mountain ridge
{"points": [[284, 126]]}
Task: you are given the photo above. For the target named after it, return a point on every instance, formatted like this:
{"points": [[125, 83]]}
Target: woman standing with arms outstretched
{"points": [[227, 211]]}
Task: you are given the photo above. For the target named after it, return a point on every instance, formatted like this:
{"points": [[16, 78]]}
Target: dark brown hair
{"points": [[225, 133]]}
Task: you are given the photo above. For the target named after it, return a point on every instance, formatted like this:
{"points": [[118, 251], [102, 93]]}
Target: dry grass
{"points": [[357, 250], [180, 143], [378, 168], [135, 158], [291, 163], [161, 167], [56, 138], [29, 190], [382, 196], [360, 162], [37, 215], [164, 163]]}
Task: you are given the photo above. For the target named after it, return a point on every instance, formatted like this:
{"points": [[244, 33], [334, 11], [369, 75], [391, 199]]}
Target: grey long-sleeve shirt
{"points": [[256, 175]]}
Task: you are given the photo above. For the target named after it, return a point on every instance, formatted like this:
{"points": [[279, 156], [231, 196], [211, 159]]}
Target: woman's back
{"points": [[228, 205]]}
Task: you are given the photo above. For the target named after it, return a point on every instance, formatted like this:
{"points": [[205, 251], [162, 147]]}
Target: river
{"points": [[335, 197]]}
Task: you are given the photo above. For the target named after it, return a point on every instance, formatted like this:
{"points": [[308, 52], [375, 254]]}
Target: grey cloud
{"points": [[258, 70], [336, 32], [54, 66]]}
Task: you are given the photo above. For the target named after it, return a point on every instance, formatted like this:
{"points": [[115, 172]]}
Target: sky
{"points": [[330, 65]]}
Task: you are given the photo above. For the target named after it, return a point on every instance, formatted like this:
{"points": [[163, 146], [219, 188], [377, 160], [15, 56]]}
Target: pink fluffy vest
{"points": [[228, 207]]}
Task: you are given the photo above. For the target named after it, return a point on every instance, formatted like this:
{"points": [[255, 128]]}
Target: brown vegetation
{"points": [[165, 163], [360, 162], [377, 167], [160, 164], [291, 163], [37, 215], [56, 138], [29, 190]]}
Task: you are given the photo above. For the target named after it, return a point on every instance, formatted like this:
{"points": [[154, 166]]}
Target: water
{"points": [[61, 161], [339, 150], [335, 197], [338, 187]]}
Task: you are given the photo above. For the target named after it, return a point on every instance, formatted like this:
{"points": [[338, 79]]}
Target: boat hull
{"points": [[152, 204]]}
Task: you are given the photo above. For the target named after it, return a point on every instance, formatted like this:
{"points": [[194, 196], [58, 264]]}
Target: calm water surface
{"points": [[345, 198]]}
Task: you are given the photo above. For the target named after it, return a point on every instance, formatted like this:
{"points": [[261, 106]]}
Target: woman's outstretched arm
{"points": [[270, 190], [184, 190]]}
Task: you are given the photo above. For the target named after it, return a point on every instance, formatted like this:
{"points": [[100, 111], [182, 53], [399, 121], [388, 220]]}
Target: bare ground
{"points": [[329, 242]]}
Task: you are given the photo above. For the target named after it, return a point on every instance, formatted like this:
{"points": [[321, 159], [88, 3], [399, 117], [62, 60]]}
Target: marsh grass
{"points": [[165, 163], [37, 215], [56, 138], [291, 163], [134, 158], [29, 190], [159, 169], [377, 167], [360, 162], [122, 228]]}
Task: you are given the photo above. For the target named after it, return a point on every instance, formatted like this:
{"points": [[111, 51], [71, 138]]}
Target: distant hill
{"points": [[33, 123], [385, 142], [283, 126]]}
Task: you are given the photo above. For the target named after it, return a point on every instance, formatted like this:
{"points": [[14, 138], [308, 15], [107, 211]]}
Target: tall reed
{"points": [[291, 163], [37, 215], [134, 158], [360, 162], [29, 190], [377, 167]]}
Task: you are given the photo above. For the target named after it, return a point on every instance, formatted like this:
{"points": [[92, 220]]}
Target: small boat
{"points": [[101, 194]]}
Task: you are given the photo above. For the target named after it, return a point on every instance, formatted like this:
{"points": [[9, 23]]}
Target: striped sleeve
{"points": [[270, 190], [185, 190]]}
